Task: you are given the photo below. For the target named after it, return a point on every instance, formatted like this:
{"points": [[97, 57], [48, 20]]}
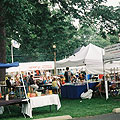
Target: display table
{"points": [[11, 102], [3, 90], [45, 87], [74, 91], [41, 101], [18, 89]]}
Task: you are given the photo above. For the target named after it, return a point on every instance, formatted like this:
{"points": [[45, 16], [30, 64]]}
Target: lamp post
{"points": [[54, 47]]}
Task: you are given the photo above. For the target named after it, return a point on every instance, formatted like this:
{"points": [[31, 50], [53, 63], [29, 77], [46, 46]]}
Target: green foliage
{"points": [[38, 30], [113, 39], [87, 35], [39, 25]]}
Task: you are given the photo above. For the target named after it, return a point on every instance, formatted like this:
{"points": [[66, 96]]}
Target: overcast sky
{"points": [[113, 2]]}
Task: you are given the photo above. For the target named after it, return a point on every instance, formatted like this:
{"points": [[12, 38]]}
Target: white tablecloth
{"points": [[40, 102]]}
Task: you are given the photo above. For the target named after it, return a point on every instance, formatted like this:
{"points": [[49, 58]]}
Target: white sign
{"points": [[47, 65], [15, 44], [112, 53]]}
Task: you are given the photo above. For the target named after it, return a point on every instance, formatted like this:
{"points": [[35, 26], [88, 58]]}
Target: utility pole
{"points": [[54, 47]]}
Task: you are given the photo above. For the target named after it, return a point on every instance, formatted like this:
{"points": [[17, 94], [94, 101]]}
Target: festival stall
{"points": [[32, 67], [91, 57], [14, 65], [112, 64], [30, 103]]}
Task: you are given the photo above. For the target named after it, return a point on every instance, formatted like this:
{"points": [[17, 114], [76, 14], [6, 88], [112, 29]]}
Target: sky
{"points": [[113, 2]]}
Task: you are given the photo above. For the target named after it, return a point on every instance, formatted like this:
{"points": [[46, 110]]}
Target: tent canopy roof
{"points": [[47, 65], [91, 56], [7, 65]]}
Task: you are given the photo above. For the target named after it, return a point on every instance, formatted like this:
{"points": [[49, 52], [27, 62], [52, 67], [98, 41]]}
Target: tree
{"points": [[113, 39], [88, 35], [11, 12], [43, 29], [2, 42], [37, 25]]}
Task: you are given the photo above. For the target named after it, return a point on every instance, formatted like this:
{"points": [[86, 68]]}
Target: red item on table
{"points": [[101, 76]]}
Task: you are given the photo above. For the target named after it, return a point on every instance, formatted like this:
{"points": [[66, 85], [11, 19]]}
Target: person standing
{"points": [[68, 75], [32, 84], [81, 77], [28, 77], [55, 86]]}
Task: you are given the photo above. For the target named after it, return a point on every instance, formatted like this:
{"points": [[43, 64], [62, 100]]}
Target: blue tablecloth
{"points": [[74, 91]]}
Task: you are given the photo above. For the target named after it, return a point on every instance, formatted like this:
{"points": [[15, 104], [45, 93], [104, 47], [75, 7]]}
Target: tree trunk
{"points": [[2, 44]]}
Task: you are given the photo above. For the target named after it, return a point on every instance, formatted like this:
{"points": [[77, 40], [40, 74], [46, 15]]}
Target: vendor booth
{"points": [[74, 91], [29, 102], [91, 57], [8, 65], [112, 66], [46, 67]]}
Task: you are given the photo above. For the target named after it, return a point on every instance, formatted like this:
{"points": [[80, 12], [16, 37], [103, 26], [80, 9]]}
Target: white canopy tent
{"points": [[63, 62], [48, 65], [90, 56]]}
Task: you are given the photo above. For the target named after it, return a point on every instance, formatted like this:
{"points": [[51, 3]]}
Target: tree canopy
{"points": [[37, 25]]}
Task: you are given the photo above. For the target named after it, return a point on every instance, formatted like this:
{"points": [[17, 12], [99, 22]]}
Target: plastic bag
{"points": [[1, 110], [87, 95]]}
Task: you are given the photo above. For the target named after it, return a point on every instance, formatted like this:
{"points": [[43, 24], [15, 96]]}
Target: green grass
{"points": [[74, 108]]}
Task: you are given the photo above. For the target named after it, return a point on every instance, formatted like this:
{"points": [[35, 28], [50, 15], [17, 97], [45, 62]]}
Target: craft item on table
{"points": [[50, 92], [0, 95], [38, 93], [32, 94], [7, 97]]}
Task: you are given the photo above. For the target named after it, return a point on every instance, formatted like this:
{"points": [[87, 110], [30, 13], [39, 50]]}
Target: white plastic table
{"points": [[40, 101]]}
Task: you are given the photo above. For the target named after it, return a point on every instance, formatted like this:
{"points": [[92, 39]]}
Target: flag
{"points": [[15, 44]]}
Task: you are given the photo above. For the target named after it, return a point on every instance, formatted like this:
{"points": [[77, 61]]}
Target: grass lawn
{"points": [[74, 108]]}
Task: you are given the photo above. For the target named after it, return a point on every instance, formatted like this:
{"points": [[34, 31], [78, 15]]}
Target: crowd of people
{"points": [[32, 84], [70, 78]]}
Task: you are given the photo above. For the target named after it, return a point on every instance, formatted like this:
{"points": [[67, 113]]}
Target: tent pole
{"points": [[24, 89], [87, 77], [23, 84], [106, 83], [114, 74]]}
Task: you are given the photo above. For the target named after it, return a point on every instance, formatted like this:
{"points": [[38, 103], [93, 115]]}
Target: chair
{"points": [[98, 92], [100, 89], [114, 91]]}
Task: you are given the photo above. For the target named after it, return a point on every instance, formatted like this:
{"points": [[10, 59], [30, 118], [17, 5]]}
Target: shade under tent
{"points": [[14, 64]]}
